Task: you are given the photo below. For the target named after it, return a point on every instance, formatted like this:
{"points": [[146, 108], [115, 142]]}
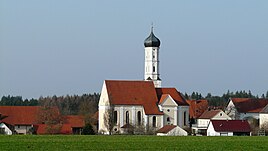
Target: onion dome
{"points": [[152, 40]]}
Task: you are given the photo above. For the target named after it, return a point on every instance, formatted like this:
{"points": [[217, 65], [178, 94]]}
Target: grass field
{"points": [[60, 142]]}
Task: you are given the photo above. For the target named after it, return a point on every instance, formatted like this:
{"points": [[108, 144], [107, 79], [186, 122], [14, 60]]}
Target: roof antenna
{"points": [[152, 28]]}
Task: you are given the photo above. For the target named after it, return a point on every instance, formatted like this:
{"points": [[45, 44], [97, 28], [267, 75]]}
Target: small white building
{"points": [[204, 119], [228, 128], [264, 117], [5, 128], [171, 130]]}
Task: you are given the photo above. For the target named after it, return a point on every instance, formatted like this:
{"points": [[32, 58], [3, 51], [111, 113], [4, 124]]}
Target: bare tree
{"points": [[109, 119], [51, 117]]}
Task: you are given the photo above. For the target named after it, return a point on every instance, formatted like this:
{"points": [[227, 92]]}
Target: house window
{"points": [[127, 117], [184, 118], [115, 117], [139, 117], [154, 121]]}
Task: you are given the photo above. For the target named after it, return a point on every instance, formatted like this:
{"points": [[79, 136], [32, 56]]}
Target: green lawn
{"points": [[60, 142]]}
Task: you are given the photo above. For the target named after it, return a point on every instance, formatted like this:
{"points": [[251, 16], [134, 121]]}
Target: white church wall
{"points": [[183, 116], [103, 107]]}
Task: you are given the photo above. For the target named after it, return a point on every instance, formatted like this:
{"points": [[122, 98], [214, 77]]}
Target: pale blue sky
{"points": [[70, 47]]}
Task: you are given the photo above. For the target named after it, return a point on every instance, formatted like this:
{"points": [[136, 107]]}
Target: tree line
{"points": [[221, 101], [85, 104]]}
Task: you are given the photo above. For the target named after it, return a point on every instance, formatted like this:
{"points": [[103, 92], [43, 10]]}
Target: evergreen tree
{"points": [[88, 130]]}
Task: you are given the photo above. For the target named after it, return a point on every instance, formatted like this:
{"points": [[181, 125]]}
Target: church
{"points": [[136, 105]]}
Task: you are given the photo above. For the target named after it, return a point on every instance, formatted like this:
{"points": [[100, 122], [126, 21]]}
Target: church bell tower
{"points": [[151, 69]]}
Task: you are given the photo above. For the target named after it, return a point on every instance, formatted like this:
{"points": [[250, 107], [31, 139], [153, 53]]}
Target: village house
{"points": [[27, 120], [196, 109], [137, 104], [202, 122], [244, 108], [228, 128], [171, 130]]}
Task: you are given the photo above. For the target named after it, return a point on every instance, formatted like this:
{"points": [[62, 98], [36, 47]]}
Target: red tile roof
{"points": [[197, 107], [248, 105], [166, 129], [209, 114], [74, 121], [231, 125], [134, 93], [43, 129], [20, 115], [177, 97]]}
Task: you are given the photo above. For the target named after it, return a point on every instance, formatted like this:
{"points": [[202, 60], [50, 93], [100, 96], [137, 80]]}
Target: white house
{"points": [[228, 128], [171, 130], [204, 119], [141, 104], [4, 128], [263, 123], [243, 108]]}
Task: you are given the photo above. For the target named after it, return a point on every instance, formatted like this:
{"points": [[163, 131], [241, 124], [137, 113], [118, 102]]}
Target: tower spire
{"points": [[151, 69]]}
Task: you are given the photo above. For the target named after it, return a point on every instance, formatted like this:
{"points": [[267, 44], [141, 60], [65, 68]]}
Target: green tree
{"points": [[88, 130]]}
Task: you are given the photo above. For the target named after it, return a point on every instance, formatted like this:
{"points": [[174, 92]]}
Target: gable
{"points": [[221, 115], [104, 100], [176, 96], [166, 100]]}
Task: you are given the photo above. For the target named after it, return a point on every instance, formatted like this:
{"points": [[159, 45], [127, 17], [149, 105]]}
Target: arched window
{"points": [[153, 68], [154, 121], [139, 117], [184, 118], [127, 117], [168, 119], [115, 117]]}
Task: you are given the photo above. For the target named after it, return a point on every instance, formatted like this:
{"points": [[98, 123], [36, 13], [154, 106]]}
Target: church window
{"points": [[168, 119], [184, 118], [154, 121], [115, 117], [168, 110], [127, 117], [139, 117], [153, 68]]}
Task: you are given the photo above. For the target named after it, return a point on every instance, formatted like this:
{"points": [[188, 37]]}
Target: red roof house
{"points": [[228, 128], [197, 107], [243, 108], [171, 130]]}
